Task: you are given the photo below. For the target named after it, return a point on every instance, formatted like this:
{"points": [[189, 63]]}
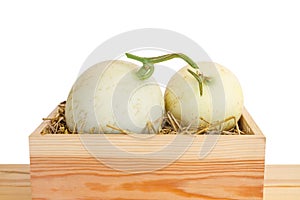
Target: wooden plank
{"points": [[281, 182], [248, 124], [237, 172], [222, 146], [15, 182], [241, 180]]}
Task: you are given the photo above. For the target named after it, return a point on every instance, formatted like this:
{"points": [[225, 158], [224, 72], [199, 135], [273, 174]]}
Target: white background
{"points": [[43, 45]]}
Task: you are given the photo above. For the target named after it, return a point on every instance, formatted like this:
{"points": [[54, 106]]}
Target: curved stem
{"points": [[163, 58], [146, 70], [166, 57], [199, 79], [148, 66], [134, 57]]}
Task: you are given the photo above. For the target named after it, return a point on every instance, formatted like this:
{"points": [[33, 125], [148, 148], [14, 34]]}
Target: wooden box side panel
{"points": [[74, 178], [248, 125]]}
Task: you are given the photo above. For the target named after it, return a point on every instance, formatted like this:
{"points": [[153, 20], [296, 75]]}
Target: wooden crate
{"points": [[67, 166]]}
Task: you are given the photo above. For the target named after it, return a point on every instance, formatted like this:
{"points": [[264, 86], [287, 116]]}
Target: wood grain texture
{"points": [[115, 166], [281, 182], [15, 182]]}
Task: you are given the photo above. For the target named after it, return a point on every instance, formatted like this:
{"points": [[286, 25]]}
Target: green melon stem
{"points": [[147, 69]]}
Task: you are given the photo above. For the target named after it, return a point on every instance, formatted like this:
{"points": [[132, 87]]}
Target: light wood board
{"points": [[281, 182]]}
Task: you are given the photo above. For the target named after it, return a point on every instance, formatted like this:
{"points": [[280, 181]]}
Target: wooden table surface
{"points": [[282, 182]]}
